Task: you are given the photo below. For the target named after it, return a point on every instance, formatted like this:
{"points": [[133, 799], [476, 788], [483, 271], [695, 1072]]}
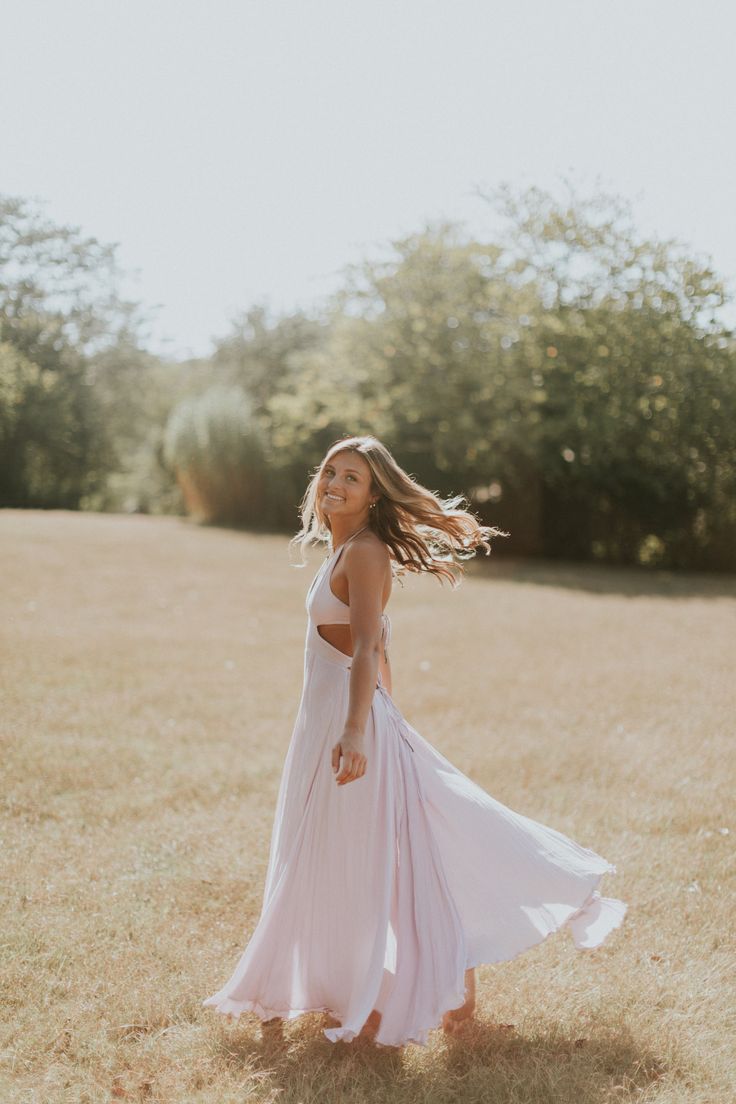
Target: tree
{"points": [[59, 307]]}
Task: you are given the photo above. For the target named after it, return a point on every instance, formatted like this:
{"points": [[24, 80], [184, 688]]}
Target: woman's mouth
{"points": [[333, 498]]}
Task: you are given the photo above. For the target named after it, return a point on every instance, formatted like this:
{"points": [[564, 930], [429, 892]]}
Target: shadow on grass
{"points": [[628, 582], [481, 1062]]}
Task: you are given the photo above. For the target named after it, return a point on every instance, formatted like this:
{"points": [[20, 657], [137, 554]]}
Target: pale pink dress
{"points": [[380, 893]]}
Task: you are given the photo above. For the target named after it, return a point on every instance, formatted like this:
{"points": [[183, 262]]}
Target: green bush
{"points": [[215, 448]]}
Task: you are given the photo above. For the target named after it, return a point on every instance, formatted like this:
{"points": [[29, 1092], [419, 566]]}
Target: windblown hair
{"points": [[423, 531]]}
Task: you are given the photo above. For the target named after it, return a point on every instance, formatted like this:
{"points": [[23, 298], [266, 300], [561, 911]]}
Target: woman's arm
{"points": [[365, 566]]}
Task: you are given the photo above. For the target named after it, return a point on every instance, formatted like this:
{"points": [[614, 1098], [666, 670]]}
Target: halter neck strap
{"points": [[348, 539]]}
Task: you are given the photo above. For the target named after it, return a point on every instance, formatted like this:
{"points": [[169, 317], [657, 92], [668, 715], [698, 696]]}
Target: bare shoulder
{"points": [[368, 550], [369, 566], [369, 562]]}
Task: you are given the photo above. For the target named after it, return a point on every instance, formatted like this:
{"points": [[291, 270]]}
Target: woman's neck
{"points": [[348, 537]]}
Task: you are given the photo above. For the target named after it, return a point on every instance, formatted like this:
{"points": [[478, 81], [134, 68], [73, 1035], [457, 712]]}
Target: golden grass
{"points": [[151, 674]]}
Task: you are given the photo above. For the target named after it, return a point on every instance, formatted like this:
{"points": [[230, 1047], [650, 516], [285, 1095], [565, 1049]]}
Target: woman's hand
{"points": [[350, 746]]}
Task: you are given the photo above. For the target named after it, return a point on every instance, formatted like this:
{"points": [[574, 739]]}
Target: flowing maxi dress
{"points": [[379, 894]]}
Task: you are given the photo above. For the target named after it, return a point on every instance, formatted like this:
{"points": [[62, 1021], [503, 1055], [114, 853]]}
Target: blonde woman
{"points": [[391, 874]]}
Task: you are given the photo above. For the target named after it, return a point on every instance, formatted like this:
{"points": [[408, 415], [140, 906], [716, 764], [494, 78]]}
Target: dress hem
{"points": [[567, 922], [228, 1007]]}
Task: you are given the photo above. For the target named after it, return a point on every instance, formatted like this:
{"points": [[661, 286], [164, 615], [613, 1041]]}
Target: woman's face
{"points": [[344, 486]]}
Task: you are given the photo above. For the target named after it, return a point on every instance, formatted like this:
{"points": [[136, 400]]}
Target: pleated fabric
{"points": [[379, 894]]}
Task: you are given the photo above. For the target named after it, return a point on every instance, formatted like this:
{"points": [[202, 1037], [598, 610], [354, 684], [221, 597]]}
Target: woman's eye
{"points": [[328, 471]]}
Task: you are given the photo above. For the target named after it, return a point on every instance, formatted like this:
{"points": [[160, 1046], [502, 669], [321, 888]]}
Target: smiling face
{"points": [[344, 487]]}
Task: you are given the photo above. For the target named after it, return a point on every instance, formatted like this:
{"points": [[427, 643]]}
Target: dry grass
{"points": [[152, 671]]}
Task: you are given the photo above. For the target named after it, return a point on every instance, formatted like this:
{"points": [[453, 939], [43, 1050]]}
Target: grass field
{"points": [[151, 672]]}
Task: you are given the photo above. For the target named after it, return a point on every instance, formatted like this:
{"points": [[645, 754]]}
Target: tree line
{"points": [[574, 380]]}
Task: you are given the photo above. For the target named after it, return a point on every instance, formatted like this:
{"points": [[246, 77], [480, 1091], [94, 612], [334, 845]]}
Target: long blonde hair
{"points": [[423, 531]]}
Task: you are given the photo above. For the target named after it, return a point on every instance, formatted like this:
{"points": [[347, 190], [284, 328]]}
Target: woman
{"points": [[391, 874]]}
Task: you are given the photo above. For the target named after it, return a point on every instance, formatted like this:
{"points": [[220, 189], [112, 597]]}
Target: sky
{"points": [[246, 151]]}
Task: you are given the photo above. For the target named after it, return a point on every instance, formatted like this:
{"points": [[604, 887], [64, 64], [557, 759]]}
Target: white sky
{"points": [[244, 151]]}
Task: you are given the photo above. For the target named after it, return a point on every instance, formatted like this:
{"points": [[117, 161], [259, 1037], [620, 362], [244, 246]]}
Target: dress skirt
{"points": [[380, 893]]}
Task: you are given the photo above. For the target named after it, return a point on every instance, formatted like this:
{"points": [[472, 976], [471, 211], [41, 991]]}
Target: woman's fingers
{"points": [[353, 767]]}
